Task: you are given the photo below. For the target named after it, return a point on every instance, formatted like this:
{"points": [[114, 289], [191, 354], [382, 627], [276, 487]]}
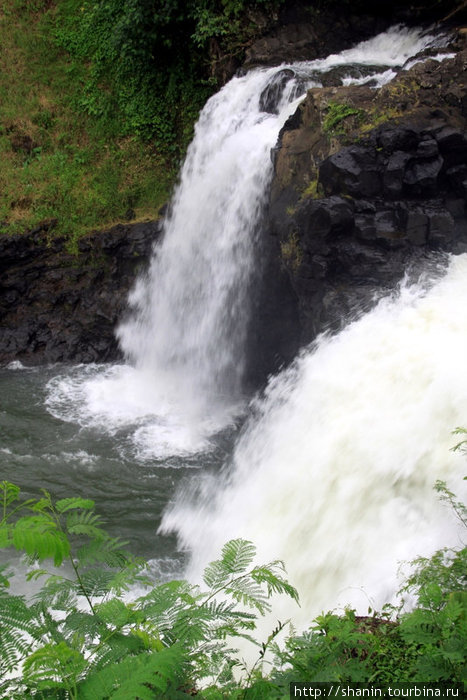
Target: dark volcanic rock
{"points": [[354, 207], [55, 306], [303, 35], [271, 96]]}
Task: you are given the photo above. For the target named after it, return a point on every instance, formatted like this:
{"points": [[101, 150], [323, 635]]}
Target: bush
{"points": [[80, 637]]}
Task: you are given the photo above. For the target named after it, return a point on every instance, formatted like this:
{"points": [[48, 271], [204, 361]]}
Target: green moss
{"points": [[291, 253], [336, 113], [313, 190]]}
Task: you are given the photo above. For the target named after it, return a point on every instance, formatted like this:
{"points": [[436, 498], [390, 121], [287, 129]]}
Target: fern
{"points": [[147, 676], [449, 497], [18, 625], [237, 555], [65, 504], [158, 646], [54, 665], [77, 639], [39, 537]]}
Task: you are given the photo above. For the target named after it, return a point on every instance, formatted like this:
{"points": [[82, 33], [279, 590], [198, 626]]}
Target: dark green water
{"points": [[39, 450]]}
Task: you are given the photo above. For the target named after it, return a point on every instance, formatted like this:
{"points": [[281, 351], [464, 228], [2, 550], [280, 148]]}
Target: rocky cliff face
{"points": [[367, 185], [55, 306]]}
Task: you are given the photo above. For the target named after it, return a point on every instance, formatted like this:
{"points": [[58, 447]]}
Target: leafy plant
{"points": [[427, 643], [336, 113], [79, 637]]}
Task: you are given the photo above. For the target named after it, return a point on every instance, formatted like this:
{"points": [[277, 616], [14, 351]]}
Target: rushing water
{"points": [[334, 468], [335, 472]]}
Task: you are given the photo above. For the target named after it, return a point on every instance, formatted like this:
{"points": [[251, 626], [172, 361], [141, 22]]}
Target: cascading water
{"points": [[185, 337], [187, 334], [335, 472]]}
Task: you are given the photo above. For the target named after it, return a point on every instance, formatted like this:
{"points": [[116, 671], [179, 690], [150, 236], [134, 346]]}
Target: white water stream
{"points": [[334, 472]]}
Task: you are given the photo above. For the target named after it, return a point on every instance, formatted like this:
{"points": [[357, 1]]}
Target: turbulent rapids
{"points": [[335, 471]]}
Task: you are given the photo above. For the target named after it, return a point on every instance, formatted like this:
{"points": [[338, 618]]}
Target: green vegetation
{"points": [[314, 190], [336, 113], [98, 102], [291, 252], [80, 638], [58, 162]]}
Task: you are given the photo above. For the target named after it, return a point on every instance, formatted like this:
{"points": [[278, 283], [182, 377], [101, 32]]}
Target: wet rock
{"points": [[59, 307], [384, 199], [338, 75], [352, 171], [271, 96]]}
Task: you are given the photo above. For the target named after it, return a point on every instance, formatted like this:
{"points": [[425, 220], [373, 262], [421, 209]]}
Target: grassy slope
{"points": [[56, 162]]}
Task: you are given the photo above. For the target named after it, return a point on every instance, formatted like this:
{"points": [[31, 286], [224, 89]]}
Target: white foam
{"points": [[336, 473], [15, 365]]}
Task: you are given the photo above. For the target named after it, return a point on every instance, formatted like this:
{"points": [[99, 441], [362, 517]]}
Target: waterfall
{"points": [[190, 314], [184, 338], [334, 473]]}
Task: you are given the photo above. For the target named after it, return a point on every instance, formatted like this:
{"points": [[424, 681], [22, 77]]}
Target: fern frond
{"points": [[147, 677], [131, 573], [245, 591], [8, 494], [103, 550], [53, 664], [65, 504], [113, 647], [6, 538], [58, 592], [5, 574], [237, 555], [164, 597], [85, 523], [96, 582], [450, 498], [83, 624], [15, 613], [14, 648], [215, 575], [275, 583], [115, 612], [39, 537]]}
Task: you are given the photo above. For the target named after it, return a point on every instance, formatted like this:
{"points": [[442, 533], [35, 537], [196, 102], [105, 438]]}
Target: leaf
{"points": [[105, 550], [39, 537], [85, 523], [5, 536], [65, 504], [139, 676], [8, 493], [114, 612], [275, 582], [53, 663], [237, 555], [4, 576]]}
